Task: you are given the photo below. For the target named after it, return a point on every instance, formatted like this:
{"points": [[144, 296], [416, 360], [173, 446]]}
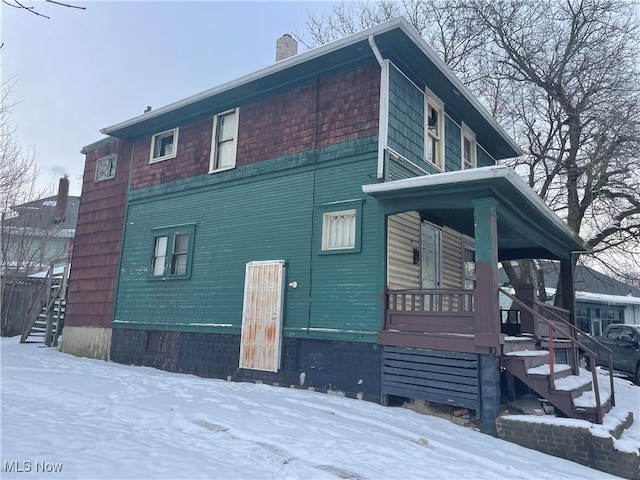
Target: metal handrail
{"points": [[574, 341]]}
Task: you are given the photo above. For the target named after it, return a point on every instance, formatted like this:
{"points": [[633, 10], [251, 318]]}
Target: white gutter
{"points": [[271, 69], [383, 117], [476, 174]]}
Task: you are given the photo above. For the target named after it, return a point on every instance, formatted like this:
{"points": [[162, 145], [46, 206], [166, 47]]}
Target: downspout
{"points": [[383, 121]]}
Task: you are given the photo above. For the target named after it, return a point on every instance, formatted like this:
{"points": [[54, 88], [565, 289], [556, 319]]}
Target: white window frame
{"points": [[326, 222], [159, 136], [214, 143], [468, 134], [112, 159], [430, 100]]}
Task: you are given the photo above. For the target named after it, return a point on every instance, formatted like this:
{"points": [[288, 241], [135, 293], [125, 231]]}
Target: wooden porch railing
{"points": [[558, 327], [422, 311]]}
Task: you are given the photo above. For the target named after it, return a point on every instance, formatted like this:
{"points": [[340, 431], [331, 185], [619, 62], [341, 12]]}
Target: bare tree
{"points": [[18, 170], [563, 76], [27, 7], [24, 246]]}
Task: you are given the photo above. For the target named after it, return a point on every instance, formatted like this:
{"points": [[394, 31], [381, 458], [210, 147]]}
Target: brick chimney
{"points": [[286, 46], [61, 199]]}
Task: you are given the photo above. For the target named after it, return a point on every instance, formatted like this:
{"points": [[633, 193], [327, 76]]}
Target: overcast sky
{"points": [[81, 71]]}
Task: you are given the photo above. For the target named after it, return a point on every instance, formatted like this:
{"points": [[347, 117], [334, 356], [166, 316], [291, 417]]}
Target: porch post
{"points": [[567, 287], [487, 305], [487, 311]]}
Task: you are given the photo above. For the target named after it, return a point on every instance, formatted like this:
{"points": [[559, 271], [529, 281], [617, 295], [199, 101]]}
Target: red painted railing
{"points": [[559, 328], [422, 311]]}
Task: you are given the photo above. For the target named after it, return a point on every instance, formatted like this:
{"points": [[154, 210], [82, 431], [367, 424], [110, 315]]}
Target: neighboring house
{"points": [[600, 300], [39, 232], [596, 311], [321, 223]]}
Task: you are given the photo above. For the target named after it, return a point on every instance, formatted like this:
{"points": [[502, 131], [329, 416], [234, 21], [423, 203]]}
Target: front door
{"points": [[431, 256]]}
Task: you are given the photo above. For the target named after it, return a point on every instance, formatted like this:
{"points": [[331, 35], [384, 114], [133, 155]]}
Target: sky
{"points": [[93, 419], [83, 70]]}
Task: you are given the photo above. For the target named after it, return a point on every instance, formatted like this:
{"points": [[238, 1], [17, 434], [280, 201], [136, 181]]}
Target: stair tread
{"points": [[546, 369], [528, 353], [588, 398], [572, 382]]}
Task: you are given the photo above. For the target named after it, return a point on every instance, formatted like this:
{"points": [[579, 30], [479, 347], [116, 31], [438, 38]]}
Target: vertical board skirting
{"points": [[262, 311], [450, 378]]}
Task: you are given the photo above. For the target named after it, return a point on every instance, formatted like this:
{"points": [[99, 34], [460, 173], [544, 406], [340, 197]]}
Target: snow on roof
{"points": [[477, 174], [608, 299]]}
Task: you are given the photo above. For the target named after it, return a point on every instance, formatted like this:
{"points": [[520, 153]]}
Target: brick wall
{"points": [[96, 249], [573, 443], [335, 109]]}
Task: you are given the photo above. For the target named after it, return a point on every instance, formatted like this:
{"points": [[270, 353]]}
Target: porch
{"points": [[444, 337], [432, 222]]}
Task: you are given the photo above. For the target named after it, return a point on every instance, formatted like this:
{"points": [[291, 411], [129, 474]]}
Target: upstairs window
{"points": [[172, 252], [434, 131], [225, 140], [164, 145], [468, 148], [106, 168]]}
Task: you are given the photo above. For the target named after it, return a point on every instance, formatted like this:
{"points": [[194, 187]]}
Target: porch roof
{"points": [[527, 227]]}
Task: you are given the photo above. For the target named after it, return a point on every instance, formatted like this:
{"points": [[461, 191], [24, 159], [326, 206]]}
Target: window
{"points": [[164, 145], [339, 230], [224, 143], [106, 168], [468, 148], [434, 131], [172, 252], [468, 264], [341, 226]]}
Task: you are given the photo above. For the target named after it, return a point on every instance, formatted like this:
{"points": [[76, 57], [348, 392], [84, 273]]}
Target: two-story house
{"points": [[333, 221]]}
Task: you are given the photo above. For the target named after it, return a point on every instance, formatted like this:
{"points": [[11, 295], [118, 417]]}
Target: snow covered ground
{"points": [[91, 419]]}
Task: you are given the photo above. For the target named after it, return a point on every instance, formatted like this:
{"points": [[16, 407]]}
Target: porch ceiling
{"points": [[527, 227]]}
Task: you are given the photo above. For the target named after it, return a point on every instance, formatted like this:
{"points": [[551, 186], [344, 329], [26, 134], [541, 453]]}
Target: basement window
{"points": [[106, 168], [172, 252], [164, 145]]}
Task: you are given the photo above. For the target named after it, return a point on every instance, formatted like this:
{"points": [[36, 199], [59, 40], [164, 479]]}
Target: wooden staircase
{"points": [[573, 395], [45, 320], [546, 361]]}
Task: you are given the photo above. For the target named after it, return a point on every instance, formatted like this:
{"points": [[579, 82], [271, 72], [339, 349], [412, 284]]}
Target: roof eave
{"points": [[264, 72], [576, 244]]}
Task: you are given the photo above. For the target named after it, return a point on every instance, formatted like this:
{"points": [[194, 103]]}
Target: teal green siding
{"points": [[406, 118], [452, 145], [484, 159], [406, 130], [397, 168], [267, 211]]}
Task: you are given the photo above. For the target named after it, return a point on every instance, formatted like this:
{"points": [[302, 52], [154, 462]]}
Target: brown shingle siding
{"points": [[335, 109], [96, 250]]}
